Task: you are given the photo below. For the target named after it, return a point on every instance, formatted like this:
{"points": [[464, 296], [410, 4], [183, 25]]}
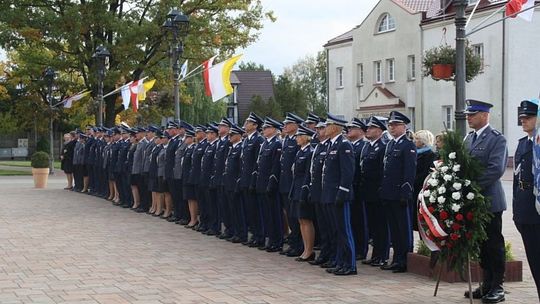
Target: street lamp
{"points": [[49, 76], [460, 22], [101, 56], [178, 25]]}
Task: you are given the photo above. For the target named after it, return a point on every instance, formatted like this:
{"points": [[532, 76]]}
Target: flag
{"points": [[134, 90], [206, 69], [68, 102], [536, 160], [218, 78], [126, 96], [183, 69], [513, 7], [145, 87]]}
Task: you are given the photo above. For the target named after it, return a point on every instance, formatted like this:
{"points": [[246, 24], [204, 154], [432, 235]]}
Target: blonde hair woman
{"points": [[425, 157]]}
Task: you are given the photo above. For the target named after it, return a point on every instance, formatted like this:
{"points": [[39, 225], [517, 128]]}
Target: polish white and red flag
{"points": [[514, 7]]}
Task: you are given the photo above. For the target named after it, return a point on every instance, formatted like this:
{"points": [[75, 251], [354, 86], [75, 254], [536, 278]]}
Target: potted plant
{"points": [[40, 169], [439, 63]]}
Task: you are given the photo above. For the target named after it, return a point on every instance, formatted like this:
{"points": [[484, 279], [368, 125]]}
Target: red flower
{"points": [[470, 216], [449, 245], [443, 215], [456, 226], [468, 235], [431, 209], [459, 217], [454, 236]]}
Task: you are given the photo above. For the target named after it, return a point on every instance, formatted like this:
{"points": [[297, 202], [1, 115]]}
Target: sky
{"points": [[302, 28]]}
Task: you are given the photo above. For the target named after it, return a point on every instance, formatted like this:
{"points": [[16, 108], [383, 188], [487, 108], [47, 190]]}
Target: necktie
{"points": [[474, 138]]}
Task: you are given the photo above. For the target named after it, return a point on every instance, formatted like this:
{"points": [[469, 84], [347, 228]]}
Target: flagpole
{"points": [[502, 19], [120, 88], [472, 13], [64, 100]]}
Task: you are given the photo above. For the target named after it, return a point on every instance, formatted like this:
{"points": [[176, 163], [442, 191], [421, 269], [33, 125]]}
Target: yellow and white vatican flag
{"points": [[218, 78]]}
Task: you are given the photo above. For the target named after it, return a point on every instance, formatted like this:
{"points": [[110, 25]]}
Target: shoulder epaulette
{"points": [[496, 132]]}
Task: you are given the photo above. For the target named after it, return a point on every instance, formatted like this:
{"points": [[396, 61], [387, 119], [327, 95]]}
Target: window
{"points": [[339, 77], [360, 74], [478, 50], [390, 69], [447, 117], [411, 63], [377, 71], [386, 24]]}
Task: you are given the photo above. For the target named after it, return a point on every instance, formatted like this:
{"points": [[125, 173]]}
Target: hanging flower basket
{"points": [[442, 71], [439, 63]]}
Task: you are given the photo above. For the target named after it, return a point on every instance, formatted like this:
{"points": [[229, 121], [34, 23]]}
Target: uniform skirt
{"points": [[162, 185], [67, 166], [135, 179], [188, 192], [306, 210], [153, 184]]}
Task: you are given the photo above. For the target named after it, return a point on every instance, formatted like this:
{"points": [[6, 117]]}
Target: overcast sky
{"points": [[302, 27]]}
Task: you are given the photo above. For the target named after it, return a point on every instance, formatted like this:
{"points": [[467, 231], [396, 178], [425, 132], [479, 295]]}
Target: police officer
{"points": [[524, 204], [231, 182], [208, 204], [136, 169], [174, 195], [356, 130], [250, 152], [195, 175], [337, 193], [288, 154], [222, 149], [311, 123], [488, 146], [397, 188], [371, 169], [188, 190], [181, 210], [267, 185], [146, 191]]}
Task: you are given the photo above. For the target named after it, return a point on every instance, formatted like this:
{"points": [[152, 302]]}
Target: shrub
{"points": [[43, 145], [40, 159]]}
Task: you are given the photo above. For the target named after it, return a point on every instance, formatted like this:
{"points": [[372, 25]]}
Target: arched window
{"points": [[386, 23]]}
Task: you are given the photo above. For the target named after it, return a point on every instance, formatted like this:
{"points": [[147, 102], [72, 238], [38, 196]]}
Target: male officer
{"points": [[337, 193], [356, 130], [181, 212], [174, 195], [371, 169], [267, 184], [250, 151], [488, 146], [397, 188], [195, 176], [311, 122], [123, 175], [288, 154], [216, 183], [231, 179], [525, 206], [146, 195]]}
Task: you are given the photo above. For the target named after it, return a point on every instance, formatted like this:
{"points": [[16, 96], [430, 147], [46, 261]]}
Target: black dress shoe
{"points": [[328, 264], [183, 221], [317, 262], [333, 270], [172, 219], [236, 240], [140, 210], [360, 257], [293, 254], [284, 252], [345, 271], [477, 293], [210, 232], [495, 295], [368, 262], [246, 242], [390, 267], [308, 259], [273, 249], [400, 269], [254, 244], [263, 247], [379, 263]]}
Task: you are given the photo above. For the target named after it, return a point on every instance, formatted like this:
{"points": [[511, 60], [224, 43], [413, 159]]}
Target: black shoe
{"points": [[263, 247], [183, 222], [369, 262], [284, 252], [308, 259], [273, 249], [317, 262], [224, 236], [345, 271], [293, 254], [495, 295], [246, 243], [236, 240], [126, 206], [328, 264], [333, 270], [140, 210], [477, 293], [172, 219], [360, 257], [254, 244], [400, 269], [210, 232], [379, 263], [393, 266]]}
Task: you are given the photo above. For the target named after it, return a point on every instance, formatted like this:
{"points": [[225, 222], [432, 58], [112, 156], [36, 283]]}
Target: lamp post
{"points": [[178, 25], [460, 22], [49, 76], [101, 56]]}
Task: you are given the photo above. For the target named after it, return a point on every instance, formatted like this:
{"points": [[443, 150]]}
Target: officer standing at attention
{"points": [[209, 204], [267, 184], [174, 195], [136, 170], [195, 175], [288, 154], [311, 123], [488, 146], [222, 149], [371, 169], [146, 191], [250, 151], [337, 192], [397, 188], [356, 131], [181, 212], [525, 206]]}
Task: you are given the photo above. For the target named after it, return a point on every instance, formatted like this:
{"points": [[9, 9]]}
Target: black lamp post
{"points": [[178, 25], [49, 76], [460, 21], [101, 56]]}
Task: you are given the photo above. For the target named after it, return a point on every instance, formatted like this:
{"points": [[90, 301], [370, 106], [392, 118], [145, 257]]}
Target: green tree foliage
{"points": [[265, 108], [251, 66], [290, 96], [64, 34]]}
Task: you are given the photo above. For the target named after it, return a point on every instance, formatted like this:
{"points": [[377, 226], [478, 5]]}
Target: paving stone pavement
{"points": [[62, 247]]}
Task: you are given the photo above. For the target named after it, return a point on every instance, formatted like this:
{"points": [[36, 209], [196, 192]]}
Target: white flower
{"points": [[447, 177], [444, 169], [467, 183], [441, 199], [441, 190], [443, 243], [433, 182], [432, 199], [470, 196], [426, 193], [456, 168], [452, 155], [456, 186], [456, 196], [456, 207]]}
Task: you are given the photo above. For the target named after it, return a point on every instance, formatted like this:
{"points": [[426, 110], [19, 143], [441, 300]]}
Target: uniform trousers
{"points": [[223, 213], [323, 223], [295, 237], [530, 233], [330, 217], [272, 216], [359, 223], [202, 198], [237, 215], [378, 227], [345, 253], [78, 177], [254, 216], [492, 257], [180, 208], [145, 193], [399, 223]]}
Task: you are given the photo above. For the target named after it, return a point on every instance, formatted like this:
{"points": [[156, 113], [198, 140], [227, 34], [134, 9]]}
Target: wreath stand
{"points": [[469, 279]]}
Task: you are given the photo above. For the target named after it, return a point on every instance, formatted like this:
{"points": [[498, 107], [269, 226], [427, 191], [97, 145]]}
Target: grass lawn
{"points": [[13, 172], [23, 163]]}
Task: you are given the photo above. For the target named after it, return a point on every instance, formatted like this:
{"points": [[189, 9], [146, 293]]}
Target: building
{"points": [[246, 85]]}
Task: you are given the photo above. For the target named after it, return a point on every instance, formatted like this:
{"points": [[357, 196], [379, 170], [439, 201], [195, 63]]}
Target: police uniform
{"points": [[525, 206], [137, 168], [223, 214], [195, 176], [337, 194], [181, 209], [488, 146], [188, 189], [146, 195], [371, 170], [208, 205], [267, 186], [396, 192], [170, 160]]}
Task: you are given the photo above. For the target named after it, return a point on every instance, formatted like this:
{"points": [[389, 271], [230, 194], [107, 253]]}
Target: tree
{"points": [[251, 66], [64, 34], [265, 108], [290, 96]]}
